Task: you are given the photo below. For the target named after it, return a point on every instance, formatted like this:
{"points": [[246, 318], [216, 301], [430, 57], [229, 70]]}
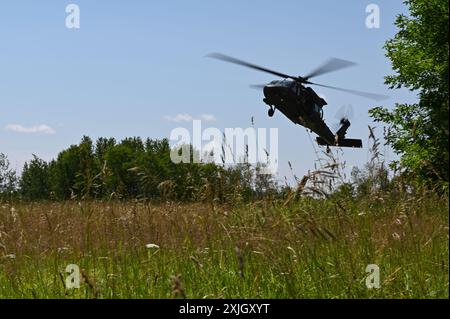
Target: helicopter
{"points": [[301, 104]]}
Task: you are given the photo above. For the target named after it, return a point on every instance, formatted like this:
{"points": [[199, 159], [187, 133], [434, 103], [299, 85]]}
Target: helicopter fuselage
{"points": [[299, 104]]}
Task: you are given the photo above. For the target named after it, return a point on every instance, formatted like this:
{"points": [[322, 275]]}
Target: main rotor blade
{"points": [[372, 96], [331, 65], [227, 58]]}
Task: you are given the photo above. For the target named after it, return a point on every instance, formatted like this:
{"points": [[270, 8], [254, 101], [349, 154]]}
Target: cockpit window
{"points": [[286, 83], [291, 85]]}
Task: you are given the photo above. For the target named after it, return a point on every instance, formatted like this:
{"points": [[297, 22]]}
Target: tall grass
{"points": [[303, 248], [314, 241]]}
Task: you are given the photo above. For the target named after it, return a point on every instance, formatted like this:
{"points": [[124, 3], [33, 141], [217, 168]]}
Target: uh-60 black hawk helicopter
{"points": [[301, 104]]}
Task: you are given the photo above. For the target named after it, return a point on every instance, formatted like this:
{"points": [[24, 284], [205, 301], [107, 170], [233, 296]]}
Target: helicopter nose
{"points": [[270, 90]]}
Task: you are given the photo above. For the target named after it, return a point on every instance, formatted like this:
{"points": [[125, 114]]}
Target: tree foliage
{"points": [[8, 178], [134, 169], [35, 180], [419, 55]]}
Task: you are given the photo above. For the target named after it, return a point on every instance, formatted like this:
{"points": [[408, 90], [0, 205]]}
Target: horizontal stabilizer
{"points": [[347, 142]]}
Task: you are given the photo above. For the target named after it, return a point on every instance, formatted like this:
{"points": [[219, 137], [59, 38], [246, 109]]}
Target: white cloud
{"points": [[41, 129], [188, 118], [179, 118], [208, 117]]}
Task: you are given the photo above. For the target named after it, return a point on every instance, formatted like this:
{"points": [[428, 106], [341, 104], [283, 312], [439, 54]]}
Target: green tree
{"points": [[419, 55], [34, 183], [120, 160], [102, 146], [8, 178], [133, 169], [74, 172]]}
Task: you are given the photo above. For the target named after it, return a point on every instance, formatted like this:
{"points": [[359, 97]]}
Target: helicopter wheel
{"points": [[271, 112]]}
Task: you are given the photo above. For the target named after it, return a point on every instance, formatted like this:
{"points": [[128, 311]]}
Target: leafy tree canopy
{"points": [[419, 55]]}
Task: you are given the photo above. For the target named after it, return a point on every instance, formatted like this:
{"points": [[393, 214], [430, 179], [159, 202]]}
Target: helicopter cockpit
{"points": [[289, 84], [283, 83], [305, 93]]}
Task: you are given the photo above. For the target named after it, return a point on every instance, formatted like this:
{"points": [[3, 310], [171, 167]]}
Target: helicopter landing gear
{"points": [[271, 112]]}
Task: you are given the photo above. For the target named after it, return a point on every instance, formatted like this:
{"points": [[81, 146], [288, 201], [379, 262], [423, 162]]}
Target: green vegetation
{"points": [[8, 178], [299, 248], [134, 169], [312, 241], [419, 55]]}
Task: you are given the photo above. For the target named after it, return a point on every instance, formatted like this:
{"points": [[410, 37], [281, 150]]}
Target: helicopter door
{"points": [[318, 110]]}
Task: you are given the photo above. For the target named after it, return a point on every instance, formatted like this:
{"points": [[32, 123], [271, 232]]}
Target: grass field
{"points": [[306, 248]]}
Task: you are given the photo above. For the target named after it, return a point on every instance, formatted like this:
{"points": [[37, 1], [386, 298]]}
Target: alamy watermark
{"points": [[373, 18], [373, 279], [73, 279], [73, 16], [232, 146]]}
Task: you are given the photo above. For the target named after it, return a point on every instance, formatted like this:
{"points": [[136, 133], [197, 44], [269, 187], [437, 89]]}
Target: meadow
{"points": [[134, 223], [300, 247]]}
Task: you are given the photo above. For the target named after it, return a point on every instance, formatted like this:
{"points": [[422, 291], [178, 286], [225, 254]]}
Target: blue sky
{"points": [[133, 66]]}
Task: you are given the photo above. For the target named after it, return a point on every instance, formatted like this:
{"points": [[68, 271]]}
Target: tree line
{"points": [[143, 170], [131, 168]]}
